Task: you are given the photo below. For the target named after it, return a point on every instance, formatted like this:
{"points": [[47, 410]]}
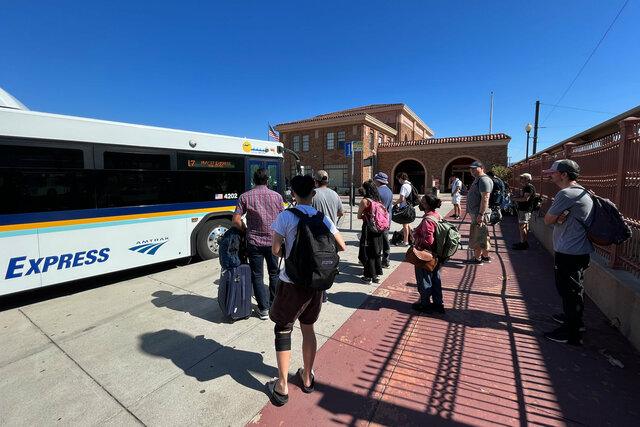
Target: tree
{"points": [[503, 173]]}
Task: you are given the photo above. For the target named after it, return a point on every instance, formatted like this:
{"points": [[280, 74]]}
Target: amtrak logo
{"points": [[150, 246]]}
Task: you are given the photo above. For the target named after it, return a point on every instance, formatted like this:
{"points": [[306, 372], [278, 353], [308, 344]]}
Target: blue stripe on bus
{"points": [[28, 218]]}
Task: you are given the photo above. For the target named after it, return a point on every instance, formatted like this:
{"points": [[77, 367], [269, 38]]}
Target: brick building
{"points": [[394, 140]]}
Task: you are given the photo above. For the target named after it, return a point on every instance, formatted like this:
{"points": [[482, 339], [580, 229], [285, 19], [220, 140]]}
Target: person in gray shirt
{"points": [[478, 209], [328, 202], [570, 213]]}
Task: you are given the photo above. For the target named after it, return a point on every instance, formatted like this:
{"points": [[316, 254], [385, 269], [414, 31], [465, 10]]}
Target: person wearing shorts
{"points": [[479, 213], [456, 187], [293, 302], [524, 210]]}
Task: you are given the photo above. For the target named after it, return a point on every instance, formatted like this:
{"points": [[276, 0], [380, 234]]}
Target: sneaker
{"points": [[262, 314], [486, 259], [366, 279], [438, 308], [561, 318], [456, 217], [405, 244], [386, 265], [375, 280], [475, 261], [562, 336], [419, 306]]}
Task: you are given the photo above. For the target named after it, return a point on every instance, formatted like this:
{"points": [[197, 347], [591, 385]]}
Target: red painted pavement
{"points": [[484, 362]]}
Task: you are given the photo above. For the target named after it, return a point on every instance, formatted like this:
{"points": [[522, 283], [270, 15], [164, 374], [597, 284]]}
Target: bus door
{"points": [[274, 174]]}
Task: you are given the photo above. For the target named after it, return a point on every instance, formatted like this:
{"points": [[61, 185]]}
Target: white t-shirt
{"points": [[286, 225], [456, 184], [405, 191]]}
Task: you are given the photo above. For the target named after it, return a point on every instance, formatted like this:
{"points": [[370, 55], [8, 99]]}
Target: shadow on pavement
{"points": [[196, 305], [213, 359]]}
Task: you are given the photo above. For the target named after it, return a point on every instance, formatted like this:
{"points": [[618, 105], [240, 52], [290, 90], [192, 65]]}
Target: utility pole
{"points": [[491, 115], [535, 128]]}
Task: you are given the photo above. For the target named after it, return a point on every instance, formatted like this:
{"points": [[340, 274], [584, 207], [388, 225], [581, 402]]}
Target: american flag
{"points": [[273, 134]]}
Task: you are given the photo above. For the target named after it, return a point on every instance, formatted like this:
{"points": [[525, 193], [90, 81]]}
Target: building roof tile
{"points": [[452, 140], [352, 112]]}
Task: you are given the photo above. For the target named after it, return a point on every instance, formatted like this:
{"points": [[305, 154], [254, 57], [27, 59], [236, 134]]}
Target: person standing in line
{"points": [[370, 250], [524, 210], [262, 206], [405, 191], [456, 187], [569, 214], [386, 197], [428, 282], [326, 201], [478, 209], [293, 302]]}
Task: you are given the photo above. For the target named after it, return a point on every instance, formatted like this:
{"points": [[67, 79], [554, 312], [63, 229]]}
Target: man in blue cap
{"points": [[386, 196]]}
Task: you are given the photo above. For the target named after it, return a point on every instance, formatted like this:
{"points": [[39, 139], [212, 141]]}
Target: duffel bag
{"points": [[403, 215]]}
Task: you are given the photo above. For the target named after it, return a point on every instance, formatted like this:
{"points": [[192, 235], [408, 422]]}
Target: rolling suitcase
{"points": [[234, 292]]}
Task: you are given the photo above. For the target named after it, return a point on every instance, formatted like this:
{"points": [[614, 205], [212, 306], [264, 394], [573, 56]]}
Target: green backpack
{"points": [[447, 238]]}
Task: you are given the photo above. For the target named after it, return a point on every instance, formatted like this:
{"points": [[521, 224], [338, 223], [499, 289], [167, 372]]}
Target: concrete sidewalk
{"points": [[484, 362]]}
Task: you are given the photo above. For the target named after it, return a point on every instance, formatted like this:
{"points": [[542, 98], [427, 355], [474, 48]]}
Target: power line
{"points": [[587, 61], [576, 108]]}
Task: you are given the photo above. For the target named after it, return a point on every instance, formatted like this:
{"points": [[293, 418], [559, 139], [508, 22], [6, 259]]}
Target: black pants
{"points": [[569, 271], [386, 247]]}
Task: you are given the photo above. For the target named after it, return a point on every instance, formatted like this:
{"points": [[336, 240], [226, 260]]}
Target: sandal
{"points": [[313, 381], [276, 398]]}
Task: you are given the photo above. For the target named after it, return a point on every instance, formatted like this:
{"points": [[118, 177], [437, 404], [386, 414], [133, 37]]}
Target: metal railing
{"points": [[610, 166]]}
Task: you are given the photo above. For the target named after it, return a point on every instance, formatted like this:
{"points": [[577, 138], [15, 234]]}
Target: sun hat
{"points": [[381, 177]]}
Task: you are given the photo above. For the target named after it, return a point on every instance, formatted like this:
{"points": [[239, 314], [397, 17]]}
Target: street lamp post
{"points": [[528, 129]]}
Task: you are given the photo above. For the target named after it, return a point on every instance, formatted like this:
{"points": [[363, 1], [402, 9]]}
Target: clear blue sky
{"points": [[229, 67]]}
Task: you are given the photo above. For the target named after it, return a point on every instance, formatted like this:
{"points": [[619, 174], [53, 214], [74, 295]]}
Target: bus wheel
{"points": [[209, 235]]}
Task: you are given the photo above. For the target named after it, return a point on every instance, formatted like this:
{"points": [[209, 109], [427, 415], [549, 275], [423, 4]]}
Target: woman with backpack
{"points": [[428, 282], [370, 241]]}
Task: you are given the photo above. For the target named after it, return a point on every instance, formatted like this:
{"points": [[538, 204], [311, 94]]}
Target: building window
{"points": [[406, 137], [305, 142], [337, 176], [330, 141], [371, 141], [296, 143], [379, 140], [341, 140]]}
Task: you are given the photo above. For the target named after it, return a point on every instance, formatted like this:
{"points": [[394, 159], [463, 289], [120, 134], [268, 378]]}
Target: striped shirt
{"points": [[262, 206]]}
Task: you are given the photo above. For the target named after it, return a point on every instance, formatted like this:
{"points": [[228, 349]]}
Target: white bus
{"points": [[82, 197]]}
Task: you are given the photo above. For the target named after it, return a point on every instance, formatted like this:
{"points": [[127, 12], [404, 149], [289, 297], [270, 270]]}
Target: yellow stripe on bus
{"points": [[47, 224]]}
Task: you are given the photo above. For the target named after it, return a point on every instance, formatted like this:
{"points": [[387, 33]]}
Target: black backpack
{"points": [[313, 261], [497, 194], [608, 226], [535, 203], [414, 197]]}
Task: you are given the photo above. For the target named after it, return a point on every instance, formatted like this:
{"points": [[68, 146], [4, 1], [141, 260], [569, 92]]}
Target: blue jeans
{"points": [[429, 285], [257, 255]]}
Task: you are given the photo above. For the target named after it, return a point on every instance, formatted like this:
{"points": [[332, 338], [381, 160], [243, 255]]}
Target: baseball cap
{"points": [[321, 176], [526, 176], [565, 165], [381, 177], [477, 164]]}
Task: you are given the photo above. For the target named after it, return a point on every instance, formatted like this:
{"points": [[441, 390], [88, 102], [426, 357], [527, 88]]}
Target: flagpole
{"points": [[268, 129]]}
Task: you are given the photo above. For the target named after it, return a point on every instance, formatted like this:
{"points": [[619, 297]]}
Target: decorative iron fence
{"points": [[610, 166]]}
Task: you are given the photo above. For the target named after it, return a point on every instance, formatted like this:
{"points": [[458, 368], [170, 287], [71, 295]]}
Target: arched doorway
{"points": [[459, 167], [416, 174]]}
